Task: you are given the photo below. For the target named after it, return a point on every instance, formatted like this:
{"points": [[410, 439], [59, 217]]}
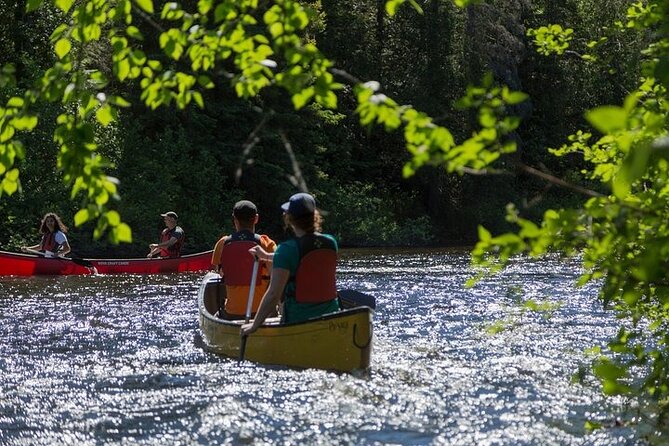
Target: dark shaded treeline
{"points": [[199, 162]]}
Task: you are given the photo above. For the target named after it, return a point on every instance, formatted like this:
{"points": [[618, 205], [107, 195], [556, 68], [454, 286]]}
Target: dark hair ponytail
{"points": [[308, 223]]}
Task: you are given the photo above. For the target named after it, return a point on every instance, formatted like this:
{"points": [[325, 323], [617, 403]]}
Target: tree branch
{"points": [[297, 179], [558, 181], [520, 167], [250, 143]]}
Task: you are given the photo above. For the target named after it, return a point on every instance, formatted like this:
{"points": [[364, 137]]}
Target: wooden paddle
{"points": [[249, 305], [352, 298], [78, 261]]}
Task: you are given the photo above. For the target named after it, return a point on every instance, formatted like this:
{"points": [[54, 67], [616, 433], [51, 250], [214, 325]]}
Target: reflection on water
{"points": [[118, 359]]}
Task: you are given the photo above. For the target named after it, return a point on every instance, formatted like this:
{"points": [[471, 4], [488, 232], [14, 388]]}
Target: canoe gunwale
{"points": [[153, 259]]}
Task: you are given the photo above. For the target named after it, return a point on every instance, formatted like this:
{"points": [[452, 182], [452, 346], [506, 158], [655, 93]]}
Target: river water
{"points": [[119, 360]]}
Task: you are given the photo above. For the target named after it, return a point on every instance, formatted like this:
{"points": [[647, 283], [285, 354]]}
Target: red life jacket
{"points": [[49, 242], [236, 262], [175, 249], [315, 276], [237, 269]]}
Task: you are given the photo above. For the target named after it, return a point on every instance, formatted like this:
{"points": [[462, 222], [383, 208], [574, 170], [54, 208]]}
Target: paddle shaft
{"points": [[39, 253], [82, 262], [252, 289], [249, 305]]}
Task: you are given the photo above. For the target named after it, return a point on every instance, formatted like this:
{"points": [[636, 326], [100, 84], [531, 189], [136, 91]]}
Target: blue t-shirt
{"points": [[287, 256]]}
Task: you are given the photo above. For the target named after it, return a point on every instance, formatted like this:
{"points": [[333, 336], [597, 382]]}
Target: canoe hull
{"points": [[15, 264], [339, 341], [187, 263]]}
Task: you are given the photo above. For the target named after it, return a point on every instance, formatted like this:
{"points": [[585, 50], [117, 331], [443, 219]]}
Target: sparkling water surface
{"points": [[119, 360]]}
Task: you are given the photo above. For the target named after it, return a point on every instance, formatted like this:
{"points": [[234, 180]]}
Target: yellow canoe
{"points": [[339, 341]]}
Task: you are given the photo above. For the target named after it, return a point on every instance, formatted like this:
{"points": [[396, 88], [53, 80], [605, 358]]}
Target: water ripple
{"points": [[119, 360]]}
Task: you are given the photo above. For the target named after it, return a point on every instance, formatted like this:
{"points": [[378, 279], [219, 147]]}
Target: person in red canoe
{"points": [[232, 261], [303, 268], [171, 239], [54, 241]]}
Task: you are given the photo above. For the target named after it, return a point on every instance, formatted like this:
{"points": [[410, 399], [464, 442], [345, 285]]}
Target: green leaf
{"points": [[122, 69], [9, 186], [81, 217], [302, 98], [113, 218], [134, 32], [607, 119], [102, 198], [592, 425], [204, 6], [329, 100], [633, 167], [607, 370], [465, 3], [146, 5], [64, 5], [276, 29], [33, 5], [392, 5], [613, 387], [119, 101], [62, 48], [197, 97], [224, 11], [515, 97], [122, 233], [7, 133], [484, 234], [25, 122], [487, 118], [104, 115], [416, 6]]}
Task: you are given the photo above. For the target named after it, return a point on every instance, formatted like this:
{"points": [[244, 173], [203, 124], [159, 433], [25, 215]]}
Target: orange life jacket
{"points": [[175, 249], [315, 276], [237, 267]]}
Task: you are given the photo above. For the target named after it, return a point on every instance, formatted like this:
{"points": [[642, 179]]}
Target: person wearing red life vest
{"points": [[303, 268], [232, 261], [171, 238], [54, 241]]}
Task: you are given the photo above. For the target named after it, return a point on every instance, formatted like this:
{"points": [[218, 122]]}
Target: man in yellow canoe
{"points": [[232, 260]]}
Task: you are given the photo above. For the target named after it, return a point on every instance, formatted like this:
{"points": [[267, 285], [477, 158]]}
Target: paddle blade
{"points": [[242, 348], [353, 298], [82, 262]]}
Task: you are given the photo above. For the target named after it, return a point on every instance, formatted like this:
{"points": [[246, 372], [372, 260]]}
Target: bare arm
{"points": [[66, 249], [270, 300], [261, 254], [155, 247], [36, 247]]}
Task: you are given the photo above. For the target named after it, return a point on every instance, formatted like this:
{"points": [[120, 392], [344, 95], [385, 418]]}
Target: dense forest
{"points": [[198, 162]]}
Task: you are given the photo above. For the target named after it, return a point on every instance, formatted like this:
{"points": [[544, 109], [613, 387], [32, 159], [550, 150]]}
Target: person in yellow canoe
{"points": [[171, 238], [303, 268], [232, 261], [54, 241]]}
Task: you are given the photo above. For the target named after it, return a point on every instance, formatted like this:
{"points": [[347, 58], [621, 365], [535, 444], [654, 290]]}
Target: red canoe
{"points": [[13, 264]]}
